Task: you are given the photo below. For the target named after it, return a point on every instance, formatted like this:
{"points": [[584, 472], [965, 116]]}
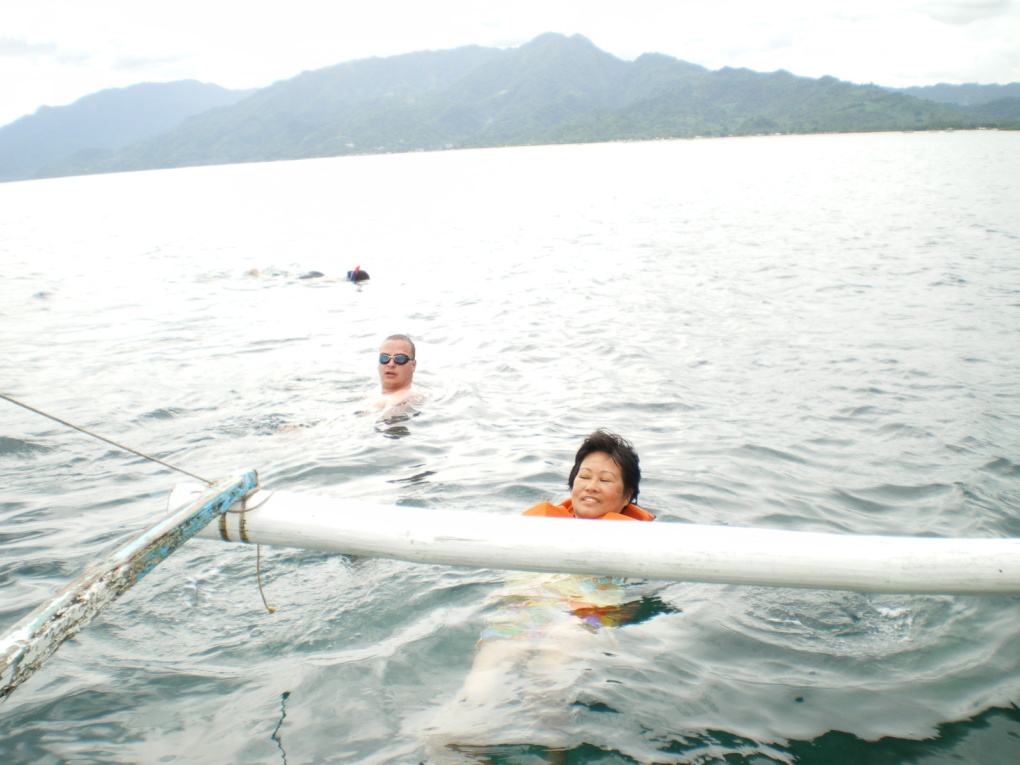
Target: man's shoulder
{"points": [[411, 395]]}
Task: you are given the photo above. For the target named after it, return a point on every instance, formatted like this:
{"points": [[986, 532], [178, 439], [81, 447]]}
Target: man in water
{"points": [[397, 363]]}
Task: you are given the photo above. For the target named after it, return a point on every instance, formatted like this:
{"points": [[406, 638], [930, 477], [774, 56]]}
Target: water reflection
{"points": [[276, 732], [392, 425]]}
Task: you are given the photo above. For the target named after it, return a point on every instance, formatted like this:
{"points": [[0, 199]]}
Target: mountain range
{"points": [[554, 89], [105, 121]]}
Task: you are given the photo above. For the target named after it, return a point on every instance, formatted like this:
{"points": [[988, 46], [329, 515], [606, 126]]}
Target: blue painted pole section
{"points": [[25, 647]]}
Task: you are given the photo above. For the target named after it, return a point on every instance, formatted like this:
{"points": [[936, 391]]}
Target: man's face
{"points": [[392, 375]]}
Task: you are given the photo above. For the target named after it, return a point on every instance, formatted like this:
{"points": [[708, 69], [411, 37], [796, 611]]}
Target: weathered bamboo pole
{"points": [[25, 646]]}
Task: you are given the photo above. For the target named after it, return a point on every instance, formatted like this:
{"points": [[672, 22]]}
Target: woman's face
{"points": [[598, 487]]}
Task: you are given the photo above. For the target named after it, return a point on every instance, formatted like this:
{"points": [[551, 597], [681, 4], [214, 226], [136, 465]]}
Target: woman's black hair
{"points": [[622, 452]]}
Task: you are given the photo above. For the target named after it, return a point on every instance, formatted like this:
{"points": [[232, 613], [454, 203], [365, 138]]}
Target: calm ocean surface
{"points": [[817, 333]]}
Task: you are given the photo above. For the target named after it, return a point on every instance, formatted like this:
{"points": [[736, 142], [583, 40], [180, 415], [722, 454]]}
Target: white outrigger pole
{"points": [[664, 551], [31, 641]]}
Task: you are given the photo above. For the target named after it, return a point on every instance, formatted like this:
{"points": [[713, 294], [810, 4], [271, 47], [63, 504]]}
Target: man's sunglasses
{"points": [[400, 359]]}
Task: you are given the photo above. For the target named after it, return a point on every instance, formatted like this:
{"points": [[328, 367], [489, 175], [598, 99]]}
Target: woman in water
{"points": [[543, 630]]}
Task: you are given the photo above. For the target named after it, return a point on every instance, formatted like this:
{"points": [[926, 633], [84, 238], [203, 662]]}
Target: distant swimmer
{"points": [[397, 363], [279, 273], [357, 275]]}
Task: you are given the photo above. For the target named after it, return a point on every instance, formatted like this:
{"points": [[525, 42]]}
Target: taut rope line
{"points": [[206, 481]]}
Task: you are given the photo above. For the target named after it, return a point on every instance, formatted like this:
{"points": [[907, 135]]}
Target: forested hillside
{"points": [[554, 89], [107, 120]]}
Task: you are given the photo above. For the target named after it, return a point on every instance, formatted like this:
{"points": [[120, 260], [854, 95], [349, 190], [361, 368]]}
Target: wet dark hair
{"points": [[406, 339], [622, 452]]}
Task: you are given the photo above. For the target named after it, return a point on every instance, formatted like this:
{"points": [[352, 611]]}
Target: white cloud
{"points": [[145, 64], [20, 47], [966, 12]]}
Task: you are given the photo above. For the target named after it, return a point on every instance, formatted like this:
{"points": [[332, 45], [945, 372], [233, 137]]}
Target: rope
{"points": [[258, 578], [107, 440], [258, 548]]}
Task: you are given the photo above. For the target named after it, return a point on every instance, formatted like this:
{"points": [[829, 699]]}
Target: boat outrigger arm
{"points": [[664, 551], [31, 641]]}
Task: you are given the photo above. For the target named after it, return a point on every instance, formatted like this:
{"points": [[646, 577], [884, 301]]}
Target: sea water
{"points": [[817, 333]]}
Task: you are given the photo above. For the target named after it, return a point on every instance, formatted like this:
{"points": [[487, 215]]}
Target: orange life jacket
{"points": [[565, 509]]}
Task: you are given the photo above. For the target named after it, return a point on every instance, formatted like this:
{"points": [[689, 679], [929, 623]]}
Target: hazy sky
{"points": [[55, 51]]}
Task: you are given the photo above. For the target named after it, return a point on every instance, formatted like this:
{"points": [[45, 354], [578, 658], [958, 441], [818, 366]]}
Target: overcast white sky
{"points": [[53, 52]]}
